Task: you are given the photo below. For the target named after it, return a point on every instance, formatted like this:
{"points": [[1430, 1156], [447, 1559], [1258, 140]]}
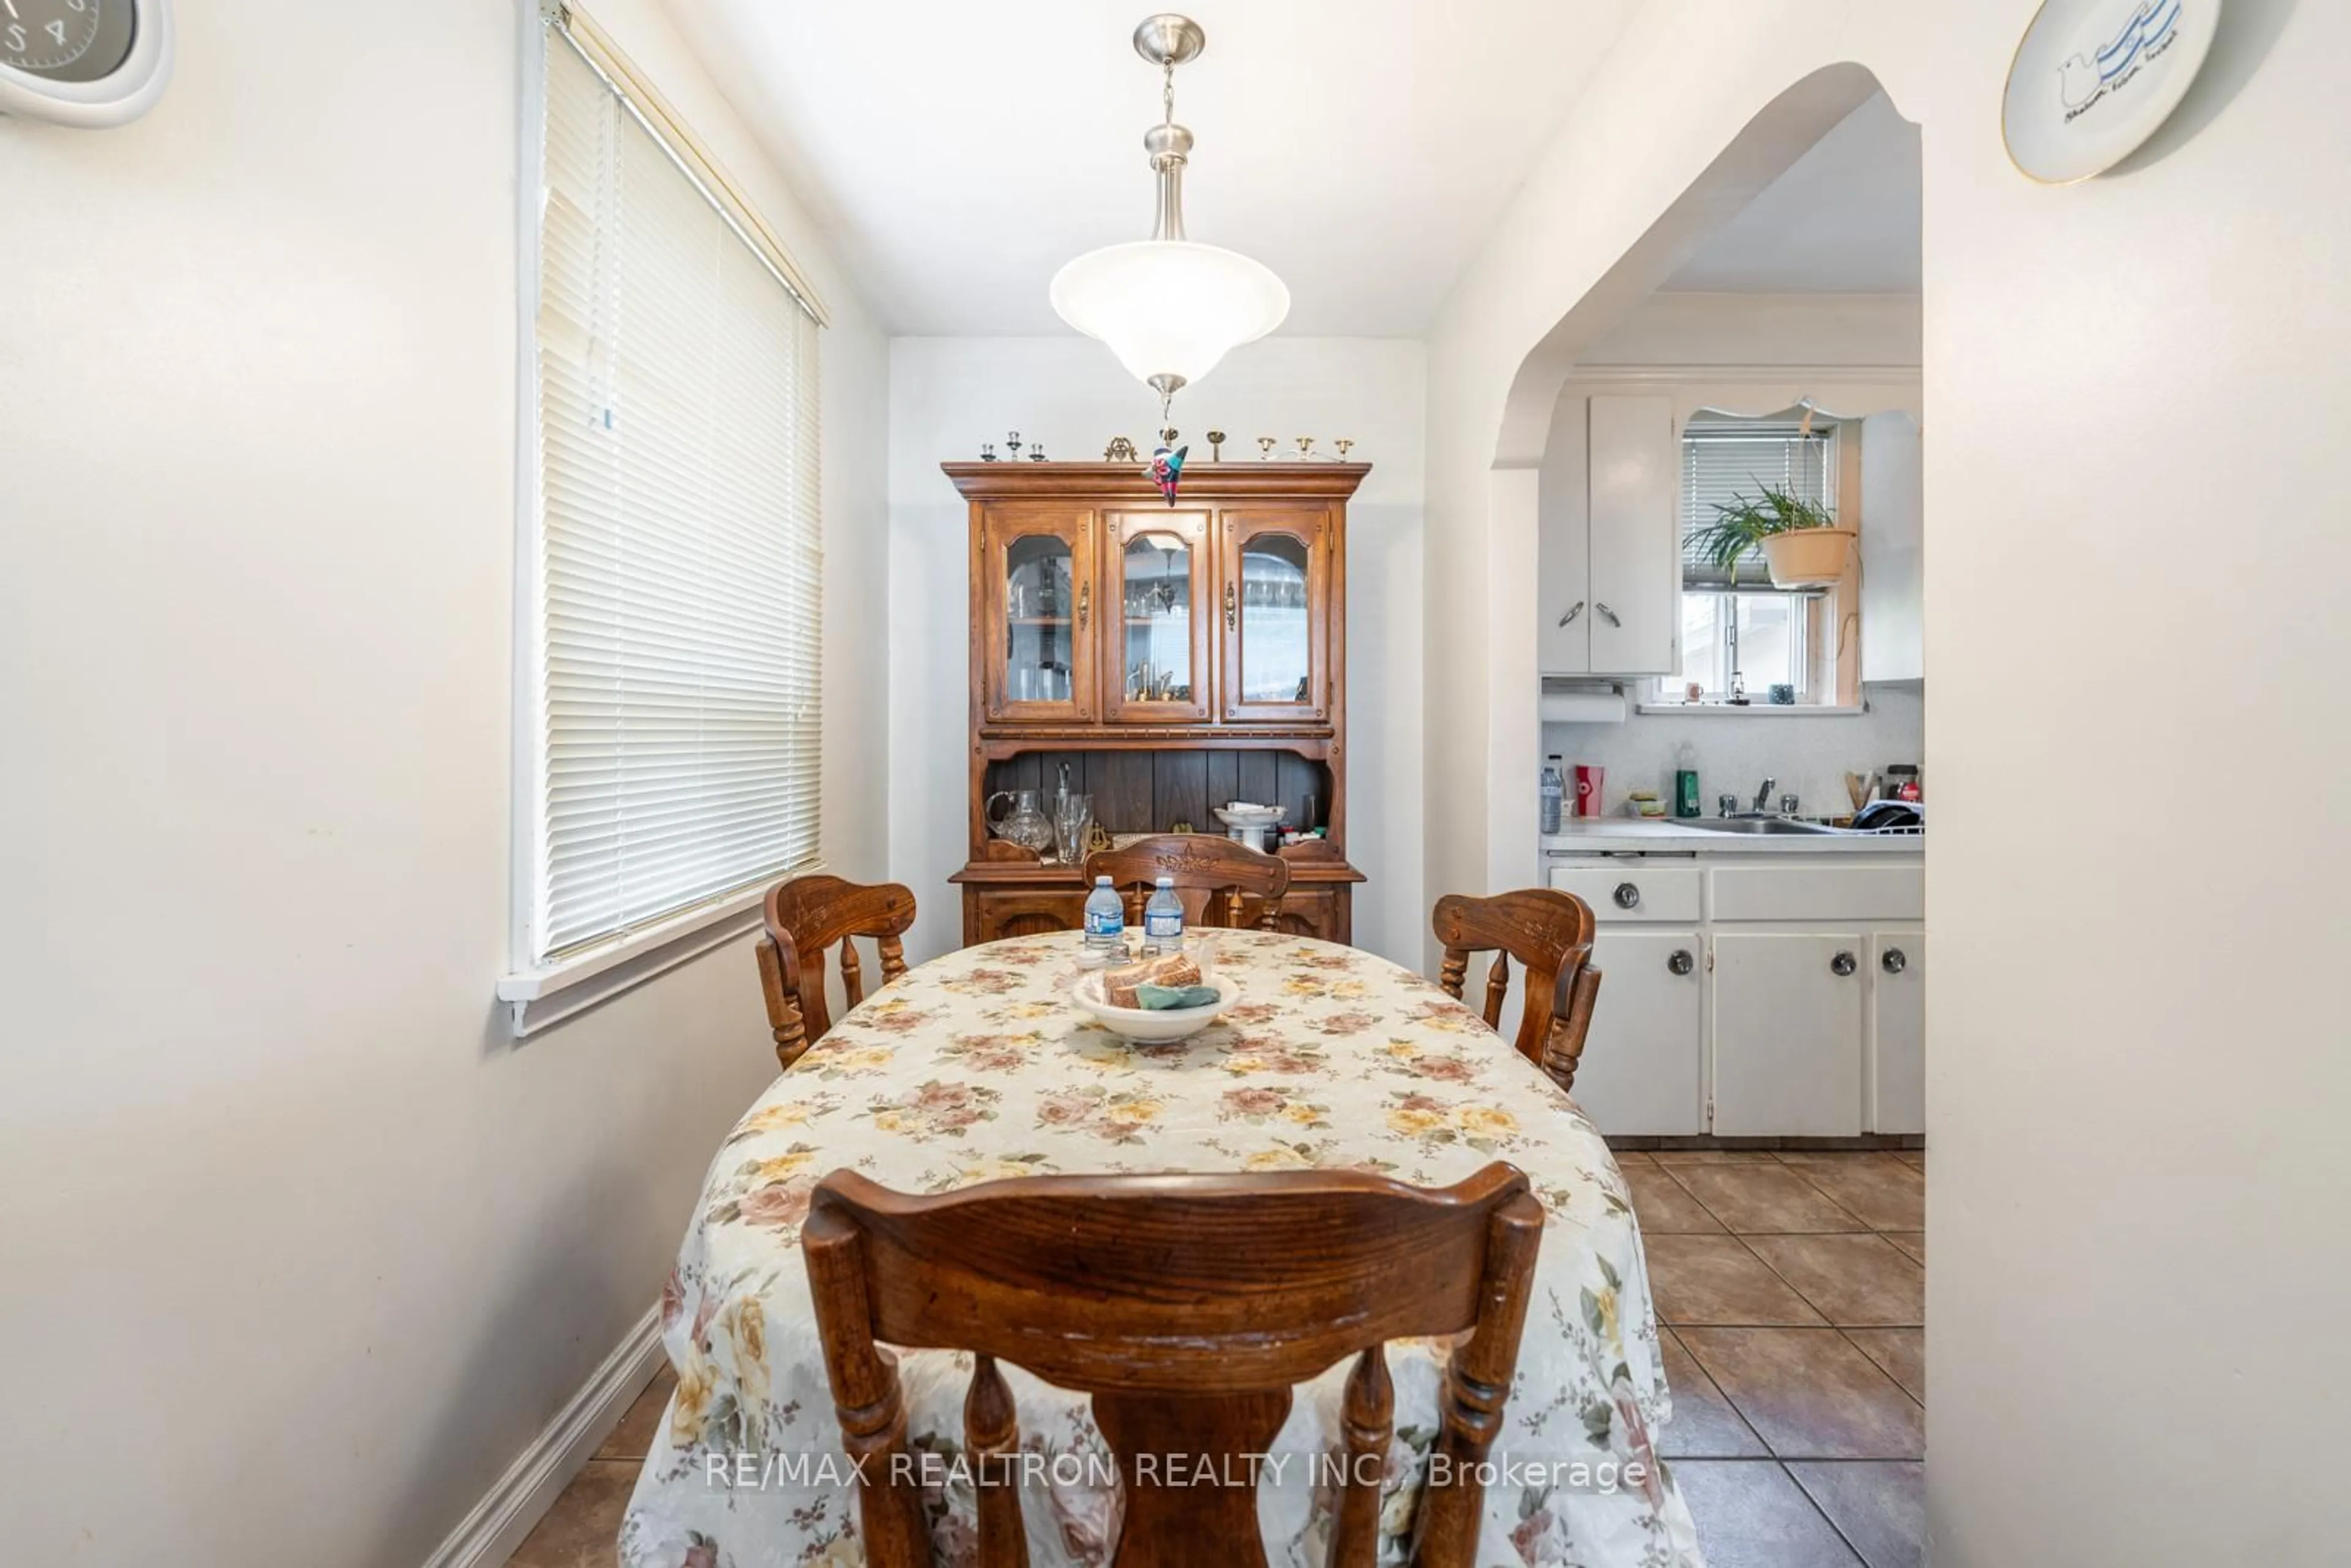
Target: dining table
{"points": [[977, 1066]]}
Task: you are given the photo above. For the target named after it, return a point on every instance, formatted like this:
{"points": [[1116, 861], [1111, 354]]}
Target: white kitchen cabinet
{"points": [[1788, 1032], [1608, 568], [1893, 549], [1644, 1067], [1898, 1032]]}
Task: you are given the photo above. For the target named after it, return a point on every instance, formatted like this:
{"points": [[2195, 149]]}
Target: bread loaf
{"points": [[1167, 970]]}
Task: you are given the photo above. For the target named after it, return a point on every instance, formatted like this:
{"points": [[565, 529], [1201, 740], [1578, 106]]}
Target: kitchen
{"points": [[1738, 753]]}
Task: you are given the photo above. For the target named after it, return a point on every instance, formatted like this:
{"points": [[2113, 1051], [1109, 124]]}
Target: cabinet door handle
{"points": [[1894, 961], [1841, 964], [1232, 607], [1574, 610], [1628, 896], [1603, 609], [1681, 963], [1085, 603]]}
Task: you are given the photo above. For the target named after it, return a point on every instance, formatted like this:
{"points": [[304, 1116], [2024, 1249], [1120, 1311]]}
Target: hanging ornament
{"points": [[1166, 468]]}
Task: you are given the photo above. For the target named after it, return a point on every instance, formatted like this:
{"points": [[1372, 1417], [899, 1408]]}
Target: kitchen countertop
{"points": [[1635, 835]]}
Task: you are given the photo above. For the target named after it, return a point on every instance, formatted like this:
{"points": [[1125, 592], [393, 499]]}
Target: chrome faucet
{"points": [[1763, 795]]}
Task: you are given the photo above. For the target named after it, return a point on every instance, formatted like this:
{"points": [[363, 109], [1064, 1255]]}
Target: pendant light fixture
{"points": [[1169, 307]]}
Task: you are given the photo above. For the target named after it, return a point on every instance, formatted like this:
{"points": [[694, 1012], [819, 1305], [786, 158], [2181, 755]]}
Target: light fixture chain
{"points": [[1168, 95]]}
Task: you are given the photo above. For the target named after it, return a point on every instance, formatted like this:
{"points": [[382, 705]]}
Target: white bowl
{"points": [[1147, 1026]]}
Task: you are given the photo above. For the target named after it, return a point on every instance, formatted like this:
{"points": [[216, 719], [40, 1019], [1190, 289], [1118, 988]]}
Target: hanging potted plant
{"points": [[1799, 539]]}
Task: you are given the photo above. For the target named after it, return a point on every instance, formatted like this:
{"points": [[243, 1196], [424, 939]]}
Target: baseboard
{"points": [[491, 1532]]}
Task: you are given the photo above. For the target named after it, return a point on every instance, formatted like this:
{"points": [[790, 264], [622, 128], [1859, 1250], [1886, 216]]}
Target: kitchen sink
{"points": [[1774, 826]]}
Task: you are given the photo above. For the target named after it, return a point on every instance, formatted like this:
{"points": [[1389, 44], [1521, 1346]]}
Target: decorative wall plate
{"points": [[2093, 79], [85, 63]]}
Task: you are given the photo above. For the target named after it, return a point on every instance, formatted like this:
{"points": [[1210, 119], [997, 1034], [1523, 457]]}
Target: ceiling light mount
{"points": [[1170, 40], [1168, 308]]}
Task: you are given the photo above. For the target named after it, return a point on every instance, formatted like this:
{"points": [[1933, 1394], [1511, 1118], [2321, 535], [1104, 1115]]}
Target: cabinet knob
{"points": [[1574, 610], [1681, 963], [1894, 961], [1600, 609], [1628, 896], [1843, 964], [1232, 607]]}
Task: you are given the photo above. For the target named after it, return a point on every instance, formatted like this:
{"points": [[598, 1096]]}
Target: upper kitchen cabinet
{"points": [[1893, 549], [1033, 623], [1281, 602], [1609, 562]]}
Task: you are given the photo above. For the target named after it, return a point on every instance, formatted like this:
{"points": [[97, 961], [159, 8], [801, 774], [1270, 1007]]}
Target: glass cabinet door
{"points": [[1156, 593], [1277, 590], [1039, 582]]}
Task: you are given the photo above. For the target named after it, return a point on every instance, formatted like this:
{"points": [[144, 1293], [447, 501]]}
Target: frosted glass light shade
{"points": [[1169, 307]]}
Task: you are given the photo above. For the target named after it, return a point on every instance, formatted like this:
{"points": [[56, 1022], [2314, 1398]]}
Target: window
{"points": [[673, 655], [1738, 632]]}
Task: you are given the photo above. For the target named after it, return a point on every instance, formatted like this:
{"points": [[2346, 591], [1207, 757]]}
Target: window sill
{"points": [[1754, 710], [570, 986]]}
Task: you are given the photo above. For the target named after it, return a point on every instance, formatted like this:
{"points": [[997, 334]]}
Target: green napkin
{"points": [[1160, 999]]}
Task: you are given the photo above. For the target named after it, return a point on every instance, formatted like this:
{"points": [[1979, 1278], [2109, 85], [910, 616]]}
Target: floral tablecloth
{"points": [[976, 1066]]}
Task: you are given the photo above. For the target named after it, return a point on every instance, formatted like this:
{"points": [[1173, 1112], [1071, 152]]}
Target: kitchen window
{"points": [[671, 649], [1737, 633]]}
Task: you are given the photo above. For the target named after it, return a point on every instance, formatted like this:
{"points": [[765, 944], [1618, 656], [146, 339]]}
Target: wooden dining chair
{"points": [[805, 917], [1159, 1296], [1213, 876], [1550, 934]]}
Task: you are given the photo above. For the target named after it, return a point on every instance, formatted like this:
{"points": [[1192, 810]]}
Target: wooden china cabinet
{"points": [[1170, 658]]}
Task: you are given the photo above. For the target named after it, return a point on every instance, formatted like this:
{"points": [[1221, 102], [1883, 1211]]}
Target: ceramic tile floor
{"points": [[1791, 1290], [1790, 1294]]}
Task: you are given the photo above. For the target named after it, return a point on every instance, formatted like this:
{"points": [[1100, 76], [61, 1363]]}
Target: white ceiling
{"points": [[958, 157], [1844, 219]]}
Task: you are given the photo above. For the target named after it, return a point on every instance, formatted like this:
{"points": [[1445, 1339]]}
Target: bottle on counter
{"points": [[1554, 793], [1163, 920], [1105, 924], [1686, 781]]}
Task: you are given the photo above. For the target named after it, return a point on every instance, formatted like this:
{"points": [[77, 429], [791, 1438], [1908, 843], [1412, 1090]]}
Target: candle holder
{"points": [[1342, 444], [1012, 444], [1305, 447], [1216, 446], [1265, 448], [988, 452]]}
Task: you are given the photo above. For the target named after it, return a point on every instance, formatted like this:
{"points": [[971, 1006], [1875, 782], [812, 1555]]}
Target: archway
{"points": [[1771, 141]]}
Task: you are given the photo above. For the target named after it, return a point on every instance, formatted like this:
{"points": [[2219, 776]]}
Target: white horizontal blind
{"points": [[680, 560], [1726, 459]]}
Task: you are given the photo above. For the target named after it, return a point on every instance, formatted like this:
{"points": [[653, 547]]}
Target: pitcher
{"points": [[1024, 822]]}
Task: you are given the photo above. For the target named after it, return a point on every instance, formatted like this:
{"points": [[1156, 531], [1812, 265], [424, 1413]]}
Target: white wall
{"points": [[1731, 329], [947, 395], [299, 1250], [2135, 1039]]}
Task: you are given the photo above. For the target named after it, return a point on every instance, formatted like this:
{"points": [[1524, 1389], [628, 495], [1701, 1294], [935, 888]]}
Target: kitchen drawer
{"points": [[1633, 891], [1840, 893]]}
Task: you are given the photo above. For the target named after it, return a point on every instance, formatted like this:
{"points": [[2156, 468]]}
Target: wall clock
{"points": [[2093, 79], [85, 63]]}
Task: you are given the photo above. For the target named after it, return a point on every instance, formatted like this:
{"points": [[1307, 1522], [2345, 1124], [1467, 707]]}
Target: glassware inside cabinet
{"points": [[1277, 656], [1156, 574], [1039, 607]]}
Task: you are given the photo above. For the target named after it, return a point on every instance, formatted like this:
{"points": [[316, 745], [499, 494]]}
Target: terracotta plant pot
{"points": [[1808, 558]]}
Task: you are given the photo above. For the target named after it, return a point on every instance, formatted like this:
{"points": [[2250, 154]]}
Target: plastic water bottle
{"points": [[1554, 790], [1163, 920], [1106, 922]]}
